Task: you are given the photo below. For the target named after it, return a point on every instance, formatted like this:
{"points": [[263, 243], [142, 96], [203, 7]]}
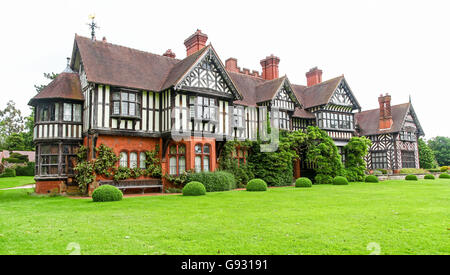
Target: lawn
{"points": [[15, 181], [401, 217]]}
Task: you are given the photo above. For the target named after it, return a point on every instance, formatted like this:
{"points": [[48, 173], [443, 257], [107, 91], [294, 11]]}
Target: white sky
{"points": [[399, 47]]}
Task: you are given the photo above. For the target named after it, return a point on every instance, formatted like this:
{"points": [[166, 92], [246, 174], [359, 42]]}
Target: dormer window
{"points": [[126, 104]]}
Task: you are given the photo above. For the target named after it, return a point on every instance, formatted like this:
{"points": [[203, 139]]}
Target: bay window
{"points": [[72, 112], [203, 108], [335, 121], [48, 112], [49, 159], [126, 103]]}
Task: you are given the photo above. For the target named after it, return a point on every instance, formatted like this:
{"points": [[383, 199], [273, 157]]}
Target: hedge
{"points": [[194, 188], [256, 185], [214, 181], [429, 177], [26, 170], [444, 176], [444, 169], [411, 177], [303, 182], [107, 193], [371, 178], [8, 173], [340, 181]]}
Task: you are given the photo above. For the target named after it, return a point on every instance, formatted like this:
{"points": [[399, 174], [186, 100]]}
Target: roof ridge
{"points": [[239, 73], [125, 47], [375, 109]]}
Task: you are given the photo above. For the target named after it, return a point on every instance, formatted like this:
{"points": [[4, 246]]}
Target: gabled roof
{"points": [[302, 113], [368, 121], [318, 94], [106, 63], [64, 86]]}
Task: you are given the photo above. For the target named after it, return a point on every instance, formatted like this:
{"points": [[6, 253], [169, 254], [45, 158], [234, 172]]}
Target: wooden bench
{"points": [[134, 184]]}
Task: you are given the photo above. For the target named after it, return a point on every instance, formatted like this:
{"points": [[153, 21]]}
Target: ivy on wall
{"points": [[355, 151]]}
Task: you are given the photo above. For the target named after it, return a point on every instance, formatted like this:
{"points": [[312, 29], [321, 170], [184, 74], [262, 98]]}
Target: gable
{"points": [[343, 97], [284, 99], [411, 123], [208, 75]]}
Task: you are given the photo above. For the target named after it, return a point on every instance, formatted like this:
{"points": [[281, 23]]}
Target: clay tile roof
{"points": [[318, 94], [115, 65], [64, 86], [267, 90], [368, 121], [302, 113], [246, 84]]}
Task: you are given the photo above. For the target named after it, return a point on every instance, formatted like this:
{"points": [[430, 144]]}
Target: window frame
{"points": [[379, 162], [177, 156], [203, 156], [336, 121], [137, 103], [72, 112], [211, 107], [408, 159]]}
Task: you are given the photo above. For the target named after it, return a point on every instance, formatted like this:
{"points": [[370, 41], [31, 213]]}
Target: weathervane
{"points": [[93, 26]]}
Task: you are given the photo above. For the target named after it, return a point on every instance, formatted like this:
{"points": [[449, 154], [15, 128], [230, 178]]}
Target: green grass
{"points": [[15, 181], [402, 217]]}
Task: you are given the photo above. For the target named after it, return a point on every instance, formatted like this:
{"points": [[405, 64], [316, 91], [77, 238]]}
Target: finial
{"points": [[409, 98], [93, 26], [68, 61]]}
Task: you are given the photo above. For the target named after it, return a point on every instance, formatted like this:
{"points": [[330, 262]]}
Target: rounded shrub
{"points": [[256, 185], [429, 177], [411, 177], [444, 176], [194, 188], [371, 178], [303, 182], [214, 181], [444, 169], [340, 181], [107, 193]]}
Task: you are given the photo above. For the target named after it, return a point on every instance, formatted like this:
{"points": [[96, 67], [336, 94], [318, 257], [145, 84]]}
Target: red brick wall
{"points": [[45, 187]]}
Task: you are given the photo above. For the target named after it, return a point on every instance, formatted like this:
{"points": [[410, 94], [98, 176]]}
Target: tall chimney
{"points": [[231, 65], [385, 112], [195, 42], [169, 53], [270, 67], [313, 77]]}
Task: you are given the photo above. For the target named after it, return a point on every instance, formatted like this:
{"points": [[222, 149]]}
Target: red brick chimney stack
{"points": [[385, 112], [270, 67], [231, 65], [169, 53], [313, 77], [195, 42]]}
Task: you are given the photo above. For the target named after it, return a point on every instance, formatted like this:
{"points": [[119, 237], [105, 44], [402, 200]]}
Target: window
{"points": [[379, 160], [142, 160], [133, 160], [177, 159], [49, 112], [335, 121], [238, 116], [241, 155], [123, 162], [203, 108], [68, 159], [408, 159], [126, 103], [49, 159], [407, 136], [72, 112], [202, 157]]}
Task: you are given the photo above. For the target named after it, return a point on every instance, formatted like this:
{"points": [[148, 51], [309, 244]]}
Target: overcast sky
{"points": [[396, 47]]}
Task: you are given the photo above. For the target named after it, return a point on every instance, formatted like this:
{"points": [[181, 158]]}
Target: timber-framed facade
{"points": [[134, 101]]}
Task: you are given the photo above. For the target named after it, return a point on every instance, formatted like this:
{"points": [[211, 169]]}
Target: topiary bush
{"points": [[256, 185], [444, 169], [411, 177], [444, 176], [8, 173], [194, 188], [429, 177], [433, 170], [371, 178], [214, 181], [107, 193], [340, 181], [303, 182]]}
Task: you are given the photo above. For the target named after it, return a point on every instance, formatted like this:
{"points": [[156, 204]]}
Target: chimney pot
{"points": [[313, 77], [195, 42]]}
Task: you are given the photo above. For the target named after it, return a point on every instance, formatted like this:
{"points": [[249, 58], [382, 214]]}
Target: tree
{"points": [[11, 121], [14, 142], [28, 133], [441, 148], [355, 151], [426, 155]]}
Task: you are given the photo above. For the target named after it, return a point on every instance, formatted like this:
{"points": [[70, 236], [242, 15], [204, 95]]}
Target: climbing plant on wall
{"points": [[355, 151]]}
